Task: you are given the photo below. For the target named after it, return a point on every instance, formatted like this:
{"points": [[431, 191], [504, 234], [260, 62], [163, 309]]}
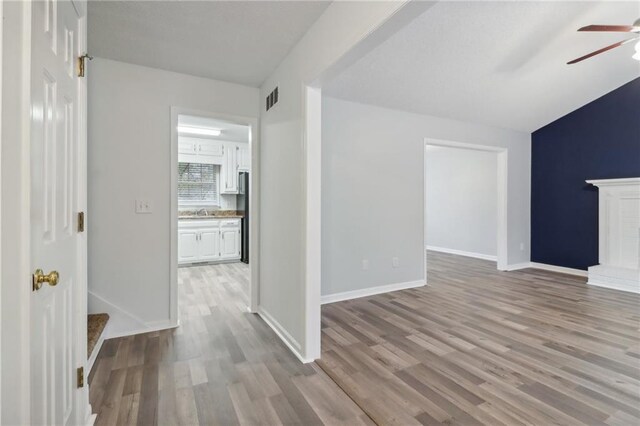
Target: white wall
{"points": [[461, 199], [373, 191], [286, 292], [129, 158]]}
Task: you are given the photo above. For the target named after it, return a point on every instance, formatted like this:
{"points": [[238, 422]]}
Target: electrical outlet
{"points": [[521, 246], [365, 264], [395, 262], [143, 206]]}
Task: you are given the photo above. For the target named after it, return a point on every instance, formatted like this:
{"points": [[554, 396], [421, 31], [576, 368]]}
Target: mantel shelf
{"points": [[615, 182]]}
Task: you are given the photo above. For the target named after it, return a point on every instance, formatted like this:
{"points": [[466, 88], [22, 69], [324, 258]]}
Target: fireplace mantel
{"points": [[619, 235]]}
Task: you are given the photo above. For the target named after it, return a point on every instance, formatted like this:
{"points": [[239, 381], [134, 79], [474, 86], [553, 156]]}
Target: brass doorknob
{"points": [[39, 278]]}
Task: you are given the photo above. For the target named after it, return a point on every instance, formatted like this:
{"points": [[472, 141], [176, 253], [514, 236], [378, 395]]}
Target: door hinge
{"points": [[82, 64], [80, 221], [80, 377]]}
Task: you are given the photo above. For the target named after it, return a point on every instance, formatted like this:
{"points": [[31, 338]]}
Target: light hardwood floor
{"points": [[223, 366], [480, 346]]}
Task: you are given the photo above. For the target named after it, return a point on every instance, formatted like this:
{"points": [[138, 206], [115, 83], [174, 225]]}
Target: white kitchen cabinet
{"points": [[229, 243], [244, 157], [187, 245], [199, 150], [187, 150], [211, 152], [208, 240], [230, 169], [209, 244]]}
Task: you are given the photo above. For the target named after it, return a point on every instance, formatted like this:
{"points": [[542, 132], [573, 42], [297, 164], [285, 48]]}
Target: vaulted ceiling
{"points": [[235, 41], [496, 63]]}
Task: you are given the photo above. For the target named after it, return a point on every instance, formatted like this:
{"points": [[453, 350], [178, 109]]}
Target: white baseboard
{"points": [[355, 294], [463, 253], [123, 323], [559, 269], [546, 267], [517, 266], [155, 326], [293, 345]]}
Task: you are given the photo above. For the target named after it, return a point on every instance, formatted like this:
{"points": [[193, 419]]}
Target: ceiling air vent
{"points": [[272, 98]]}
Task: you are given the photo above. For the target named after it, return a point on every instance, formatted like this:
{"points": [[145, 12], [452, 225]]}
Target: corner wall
{"points": [[600, 140], [289, 297], [373, 189], [128, 158]]}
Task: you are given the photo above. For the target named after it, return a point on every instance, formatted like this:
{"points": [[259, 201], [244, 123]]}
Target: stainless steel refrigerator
{"points": [[243, 209]]}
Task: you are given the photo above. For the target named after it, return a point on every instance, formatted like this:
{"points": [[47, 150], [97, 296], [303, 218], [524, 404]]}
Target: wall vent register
{"points": [[272, 98], [198, 184]]}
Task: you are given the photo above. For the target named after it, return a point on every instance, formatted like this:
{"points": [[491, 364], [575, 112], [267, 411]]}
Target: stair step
{"points": [[95, 326]]}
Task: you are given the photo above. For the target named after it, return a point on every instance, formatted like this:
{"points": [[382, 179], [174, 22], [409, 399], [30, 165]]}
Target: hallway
{"points": [[223, 365]]}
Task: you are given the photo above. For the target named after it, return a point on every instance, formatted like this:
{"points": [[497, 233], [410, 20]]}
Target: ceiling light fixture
{"points": [[201, 131], [636, 56]]}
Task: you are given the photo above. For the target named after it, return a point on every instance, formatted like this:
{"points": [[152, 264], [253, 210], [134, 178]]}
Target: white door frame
{"points": [[502, 157], [312, 238], [254, 204], [1, 102]]}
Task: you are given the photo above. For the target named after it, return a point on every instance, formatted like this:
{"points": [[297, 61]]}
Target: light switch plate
{"points": [[143, 206], [395, 262]]}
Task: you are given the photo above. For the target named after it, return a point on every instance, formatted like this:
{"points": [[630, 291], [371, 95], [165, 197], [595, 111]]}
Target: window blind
{"points": [[198, 183]]}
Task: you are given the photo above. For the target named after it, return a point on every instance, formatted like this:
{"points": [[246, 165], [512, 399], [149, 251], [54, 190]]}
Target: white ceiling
{"points": [[230, 131], [236, 41], [496, 63]]}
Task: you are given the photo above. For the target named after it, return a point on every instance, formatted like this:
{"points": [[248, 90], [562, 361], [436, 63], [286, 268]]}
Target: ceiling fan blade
{"points": [[612, 28], [604, 49]]}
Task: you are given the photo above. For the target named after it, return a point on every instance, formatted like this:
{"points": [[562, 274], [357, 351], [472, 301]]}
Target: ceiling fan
{"points": [[634, 29]]}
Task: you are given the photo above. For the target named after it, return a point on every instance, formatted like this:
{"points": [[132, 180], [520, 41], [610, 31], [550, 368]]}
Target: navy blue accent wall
{"points": [[601, 140]]}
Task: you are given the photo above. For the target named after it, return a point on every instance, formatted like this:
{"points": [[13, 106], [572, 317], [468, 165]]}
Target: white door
{"points": [[188, 245], [54, 205], [230, 243], [209, 247]]}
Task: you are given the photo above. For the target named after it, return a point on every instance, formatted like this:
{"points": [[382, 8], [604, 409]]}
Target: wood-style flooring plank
{"points": [[222, 366], [480, 346]]}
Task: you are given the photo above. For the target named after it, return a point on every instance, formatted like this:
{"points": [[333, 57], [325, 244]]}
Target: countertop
{"points": [[192, 214], [194, 217]]}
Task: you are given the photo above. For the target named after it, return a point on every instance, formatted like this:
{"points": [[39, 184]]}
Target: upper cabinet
{"points": [[232, 157], [244, 157], [230, 169], [198, 150]]}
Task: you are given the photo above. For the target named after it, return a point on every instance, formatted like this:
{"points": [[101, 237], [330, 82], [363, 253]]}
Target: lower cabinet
{"points": [[209, 245], [187, 246], [208, 240], [230, 243]]}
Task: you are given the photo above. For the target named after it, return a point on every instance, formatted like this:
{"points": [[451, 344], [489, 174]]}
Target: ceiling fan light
{"points": [[636, 56]]}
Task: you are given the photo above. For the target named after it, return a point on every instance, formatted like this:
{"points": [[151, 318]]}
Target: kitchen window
{"points": [[198, 184]]}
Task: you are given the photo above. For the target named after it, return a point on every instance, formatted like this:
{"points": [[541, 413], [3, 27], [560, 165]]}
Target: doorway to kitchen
{"points": [[214, 212]]}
